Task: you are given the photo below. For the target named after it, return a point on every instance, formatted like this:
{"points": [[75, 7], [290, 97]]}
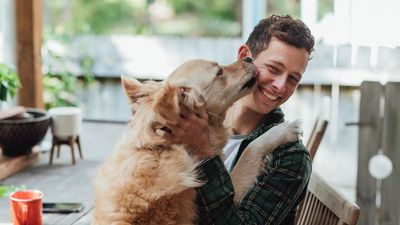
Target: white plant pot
{"points": [[4, 105], [66, 122]]}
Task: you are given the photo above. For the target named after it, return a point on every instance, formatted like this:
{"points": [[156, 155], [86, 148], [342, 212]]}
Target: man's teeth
{"points": [[270, 96]]}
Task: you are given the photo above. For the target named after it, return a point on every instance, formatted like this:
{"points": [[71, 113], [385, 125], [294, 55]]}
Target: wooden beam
{"points": [[28, 43], [368, 146]]}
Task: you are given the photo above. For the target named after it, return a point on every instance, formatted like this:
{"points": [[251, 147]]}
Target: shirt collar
{"points": [[269, 120]]}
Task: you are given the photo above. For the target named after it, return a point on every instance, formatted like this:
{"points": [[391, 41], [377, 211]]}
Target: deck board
{"points": [[12, 165], [64, 182]]}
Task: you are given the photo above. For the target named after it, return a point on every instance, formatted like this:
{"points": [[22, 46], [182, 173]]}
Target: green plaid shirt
{"points": [[275, 195]]}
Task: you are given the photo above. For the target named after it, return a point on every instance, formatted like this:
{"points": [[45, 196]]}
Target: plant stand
{"points": [[71, 140]]}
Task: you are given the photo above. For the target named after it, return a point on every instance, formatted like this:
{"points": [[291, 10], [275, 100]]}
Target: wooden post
{"points": [[28, 15], [368, 145], [391, 148], [309, 12]]}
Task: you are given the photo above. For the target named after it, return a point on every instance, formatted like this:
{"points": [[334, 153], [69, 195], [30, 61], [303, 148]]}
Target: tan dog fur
{"points": [[148, 180]]}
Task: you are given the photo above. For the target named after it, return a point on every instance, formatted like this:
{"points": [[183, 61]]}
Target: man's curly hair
{"points": [[285, 28]]}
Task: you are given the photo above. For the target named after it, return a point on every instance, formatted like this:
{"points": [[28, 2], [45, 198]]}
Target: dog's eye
{"points": [[220, 71]]}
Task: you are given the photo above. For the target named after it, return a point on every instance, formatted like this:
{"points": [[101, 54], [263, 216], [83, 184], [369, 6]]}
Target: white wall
{"points": [[374, 23], [369, 23], [7, 32], [253, 11]]}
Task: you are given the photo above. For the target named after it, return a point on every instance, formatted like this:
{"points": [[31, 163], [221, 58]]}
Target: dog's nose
{"points": [[248, 59]]}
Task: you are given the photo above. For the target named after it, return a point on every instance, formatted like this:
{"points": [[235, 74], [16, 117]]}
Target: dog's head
{"points": [[218, 86], [141, 97], [198, 84], [159, 101]]}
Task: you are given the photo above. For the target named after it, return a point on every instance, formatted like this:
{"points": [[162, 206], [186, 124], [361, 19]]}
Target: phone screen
{"points": [[61, 207]]}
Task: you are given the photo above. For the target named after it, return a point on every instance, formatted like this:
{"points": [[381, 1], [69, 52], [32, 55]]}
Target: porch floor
{"points": [[64, 182]]}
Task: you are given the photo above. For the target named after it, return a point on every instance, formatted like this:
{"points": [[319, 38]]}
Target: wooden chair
{"points": [[316, 136], [323, 205]]}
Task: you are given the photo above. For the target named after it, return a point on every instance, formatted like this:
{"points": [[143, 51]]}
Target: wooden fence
{"points": [[154, 57], [379, 131]]}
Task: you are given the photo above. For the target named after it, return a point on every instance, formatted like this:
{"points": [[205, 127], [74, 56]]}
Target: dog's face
{"points": [[198, 84], [218, 86]]}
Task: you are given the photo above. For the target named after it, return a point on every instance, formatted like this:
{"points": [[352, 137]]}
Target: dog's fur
{"points": [[149, 180]]}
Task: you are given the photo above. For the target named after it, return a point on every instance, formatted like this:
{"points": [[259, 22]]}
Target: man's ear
{"points": [[244, 51], [166, 103], [138, 92]]}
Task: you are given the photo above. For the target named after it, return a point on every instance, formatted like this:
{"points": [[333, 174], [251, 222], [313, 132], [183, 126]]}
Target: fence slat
{"points": [[391, 148], [368, 142]]}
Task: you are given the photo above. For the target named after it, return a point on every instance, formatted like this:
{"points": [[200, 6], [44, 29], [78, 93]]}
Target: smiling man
{"points": [[281, 47]]}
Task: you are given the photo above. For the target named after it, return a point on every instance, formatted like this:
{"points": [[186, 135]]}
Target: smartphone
{"points": [[61, 207]]}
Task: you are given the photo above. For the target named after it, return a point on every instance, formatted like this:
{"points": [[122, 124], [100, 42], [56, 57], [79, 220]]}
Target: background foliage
{"points": [[158, 17], [172, 17], [66, 19], [9, 82]]}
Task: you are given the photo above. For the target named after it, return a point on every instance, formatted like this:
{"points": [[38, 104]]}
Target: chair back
{"points": [[323, 205], [316, 136]]}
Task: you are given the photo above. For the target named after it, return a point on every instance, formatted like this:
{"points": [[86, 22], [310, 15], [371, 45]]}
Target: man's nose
{"points": [[280, 84]]}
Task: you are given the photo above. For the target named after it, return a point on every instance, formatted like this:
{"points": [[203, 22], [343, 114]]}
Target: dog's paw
{"points": [[288, 131]]}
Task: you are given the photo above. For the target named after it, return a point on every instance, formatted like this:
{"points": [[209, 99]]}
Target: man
{"points": [[281, 47]]}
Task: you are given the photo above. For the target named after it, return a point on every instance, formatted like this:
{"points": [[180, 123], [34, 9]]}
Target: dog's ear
{"points": [[166, 103], [192, 99], [131, 87], [138, 92]]}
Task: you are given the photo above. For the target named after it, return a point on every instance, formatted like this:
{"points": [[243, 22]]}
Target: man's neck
{"points": [[241, 119]]}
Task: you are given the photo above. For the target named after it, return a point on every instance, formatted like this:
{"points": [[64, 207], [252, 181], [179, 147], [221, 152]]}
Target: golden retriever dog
{"points": [[147, 179]]}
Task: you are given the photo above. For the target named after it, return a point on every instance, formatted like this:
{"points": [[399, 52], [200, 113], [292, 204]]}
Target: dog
{"points": [[148, 180]]}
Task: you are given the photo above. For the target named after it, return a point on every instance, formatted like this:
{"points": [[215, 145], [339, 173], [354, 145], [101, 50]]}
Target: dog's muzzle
{"points": [[250, 83]]}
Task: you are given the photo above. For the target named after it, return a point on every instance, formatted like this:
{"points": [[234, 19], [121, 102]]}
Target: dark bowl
{"points": [[18, 136]]}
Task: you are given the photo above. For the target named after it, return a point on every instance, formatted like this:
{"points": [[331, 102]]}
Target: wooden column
{"points": [[368, 146], [28, 14], [390, 214]]}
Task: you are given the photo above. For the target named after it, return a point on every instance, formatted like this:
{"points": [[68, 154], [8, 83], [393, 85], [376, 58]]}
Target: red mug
{"points": [[26, 207]]}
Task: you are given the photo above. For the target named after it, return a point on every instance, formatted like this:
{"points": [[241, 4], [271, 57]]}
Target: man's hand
{"points": [[191, 130]]}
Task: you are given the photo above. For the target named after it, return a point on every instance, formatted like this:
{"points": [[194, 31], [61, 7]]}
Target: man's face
{"points": [[281, 67]]}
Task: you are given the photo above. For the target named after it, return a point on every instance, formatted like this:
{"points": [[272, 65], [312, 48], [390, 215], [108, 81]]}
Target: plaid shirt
{"points": [[275, 195]]}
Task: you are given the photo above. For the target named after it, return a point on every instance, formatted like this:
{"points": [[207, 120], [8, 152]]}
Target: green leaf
{"points": [[6, 190], [9, 82]]}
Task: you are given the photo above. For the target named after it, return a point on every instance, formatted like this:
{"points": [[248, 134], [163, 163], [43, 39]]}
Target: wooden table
{"points": [[65, 182]]}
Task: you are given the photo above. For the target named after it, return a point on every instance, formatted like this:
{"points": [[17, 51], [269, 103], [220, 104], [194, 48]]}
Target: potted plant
{"points": [[9, 82], [19, 134]]}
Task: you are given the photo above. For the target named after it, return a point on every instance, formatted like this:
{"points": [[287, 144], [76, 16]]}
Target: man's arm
{"points": [[269, 201]]}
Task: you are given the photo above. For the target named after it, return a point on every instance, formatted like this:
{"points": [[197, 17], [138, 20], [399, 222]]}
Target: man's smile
{"points": [[268, 94]]}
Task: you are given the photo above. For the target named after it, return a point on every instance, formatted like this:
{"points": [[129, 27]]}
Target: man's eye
{"points": [[220, 71], [294, 79], [273, 70]]}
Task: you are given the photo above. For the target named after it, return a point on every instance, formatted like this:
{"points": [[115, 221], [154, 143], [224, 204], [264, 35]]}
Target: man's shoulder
{"points": [[296, 146], [294, 156], [293, 149]]}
